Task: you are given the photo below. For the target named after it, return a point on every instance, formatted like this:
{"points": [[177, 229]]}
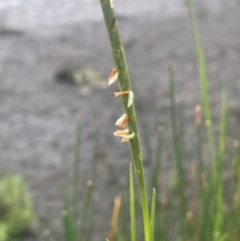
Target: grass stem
{"points": [[125, 84]]}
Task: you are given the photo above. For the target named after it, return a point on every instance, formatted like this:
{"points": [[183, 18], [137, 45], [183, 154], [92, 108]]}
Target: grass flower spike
{"points": [[129, 118], [122, 121], [113, 77]]}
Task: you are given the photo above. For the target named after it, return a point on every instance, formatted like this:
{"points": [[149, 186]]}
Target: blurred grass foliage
{"points": [[16, 210]]}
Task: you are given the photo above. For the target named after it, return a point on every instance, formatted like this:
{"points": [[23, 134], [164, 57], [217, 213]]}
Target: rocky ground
{"points": [[38, 113]]}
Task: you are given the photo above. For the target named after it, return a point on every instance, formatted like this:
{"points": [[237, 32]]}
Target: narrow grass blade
{"points": [[198, 123], [219, 169], [235, 167], [75, 177], [202, 78], [157, 163], [95, 153], [176, 142], [86, 210], [153, 211], [132, 205], [93, 175], [69, 228]]}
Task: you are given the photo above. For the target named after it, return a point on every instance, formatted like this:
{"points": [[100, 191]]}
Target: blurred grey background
{"points": [[42, 13]]}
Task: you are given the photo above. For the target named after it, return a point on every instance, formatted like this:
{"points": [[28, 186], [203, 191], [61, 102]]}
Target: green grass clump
{"points": [[16, 212], [170, 213]]}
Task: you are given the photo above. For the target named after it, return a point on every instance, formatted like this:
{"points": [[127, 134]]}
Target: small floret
{"points": [[117, 94], [122, 121], [113, 77], [130, 99], [121, 132]]}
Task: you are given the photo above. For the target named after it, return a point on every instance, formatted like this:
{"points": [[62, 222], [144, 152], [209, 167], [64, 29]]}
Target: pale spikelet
{"points": [[124, 134], [130, 99], [124, 140], [117, 94], [113, 77], [198, 115], [122, 121], [114, 220], [111, 3], [129, 136], [89, 183], [121, 132]]}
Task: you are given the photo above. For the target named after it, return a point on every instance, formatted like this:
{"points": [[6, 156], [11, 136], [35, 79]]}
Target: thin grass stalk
{"points": [[203, 185], [124, 84], [219, 169], [206, 219], [75, 177], [86, 210], [157, 162], [181, 126], [95, 151], [153, 212], [202, 78], [199, 129], [68, 231], [176, 142], [93, 174], [69, 228], [235, 167], [132, 205]]}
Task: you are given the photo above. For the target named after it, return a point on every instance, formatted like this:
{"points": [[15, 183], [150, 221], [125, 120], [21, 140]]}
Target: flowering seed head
{"points": [[122, 121], [130, 99], [113, 77]]}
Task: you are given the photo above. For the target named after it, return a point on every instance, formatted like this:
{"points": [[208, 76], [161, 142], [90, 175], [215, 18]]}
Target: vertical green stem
{"points": [[132, 205], [157, 162], [75, 177], [177, 146], [202, 79], [86, 210], [153, 212], [124, 84], [219, 169]]}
